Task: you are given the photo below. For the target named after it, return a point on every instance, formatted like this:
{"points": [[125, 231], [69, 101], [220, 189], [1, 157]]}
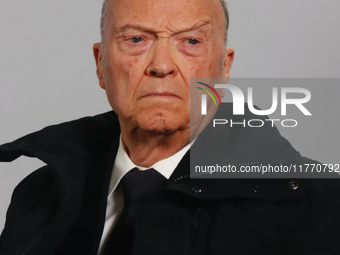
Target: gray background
{"points": [[47, 71]]}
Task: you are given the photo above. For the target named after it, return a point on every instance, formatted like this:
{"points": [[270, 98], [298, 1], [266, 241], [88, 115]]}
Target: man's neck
{"points": [[145, 148]]}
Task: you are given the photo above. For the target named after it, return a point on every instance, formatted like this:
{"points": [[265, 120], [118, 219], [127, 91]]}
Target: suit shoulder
{"points": [[38, 181]]}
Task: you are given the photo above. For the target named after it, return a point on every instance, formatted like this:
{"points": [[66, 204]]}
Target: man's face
{"points": [[151, 50]]}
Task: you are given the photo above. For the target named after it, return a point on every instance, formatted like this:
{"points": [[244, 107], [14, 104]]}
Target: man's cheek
{"points": [[198, 68], [130, 69], [122, 65]]}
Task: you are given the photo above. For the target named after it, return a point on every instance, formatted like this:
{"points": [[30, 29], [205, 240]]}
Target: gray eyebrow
{"points": [[151, 30]]}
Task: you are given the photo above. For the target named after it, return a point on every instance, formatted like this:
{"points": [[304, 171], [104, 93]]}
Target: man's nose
{"points": [[162, 63]]}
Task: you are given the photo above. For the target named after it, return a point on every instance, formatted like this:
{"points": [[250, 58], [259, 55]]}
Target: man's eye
{"points": [[193, 41], [136, 39]]}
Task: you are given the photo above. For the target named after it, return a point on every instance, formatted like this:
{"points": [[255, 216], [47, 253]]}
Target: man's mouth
{"points": [[161, 94]]}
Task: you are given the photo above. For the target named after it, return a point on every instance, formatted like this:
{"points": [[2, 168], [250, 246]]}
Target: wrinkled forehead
{"points": [[165, 15]]}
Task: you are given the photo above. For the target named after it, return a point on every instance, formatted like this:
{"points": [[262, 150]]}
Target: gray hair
{"points": [[223, 3]]}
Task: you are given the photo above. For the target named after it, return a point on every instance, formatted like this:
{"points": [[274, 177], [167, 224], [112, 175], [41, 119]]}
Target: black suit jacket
{"points": [[60, 208]]}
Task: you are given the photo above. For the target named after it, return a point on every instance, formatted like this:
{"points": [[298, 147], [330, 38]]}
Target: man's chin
{"points": [[161, 125]]}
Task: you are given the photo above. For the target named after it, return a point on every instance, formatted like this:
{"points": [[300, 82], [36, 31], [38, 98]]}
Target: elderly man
{"points": [[116, 183]]}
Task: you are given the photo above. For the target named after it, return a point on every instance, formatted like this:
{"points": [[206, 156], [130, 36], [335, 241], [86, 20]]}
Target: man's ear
{"points": [[228, 61], [98, 55]]}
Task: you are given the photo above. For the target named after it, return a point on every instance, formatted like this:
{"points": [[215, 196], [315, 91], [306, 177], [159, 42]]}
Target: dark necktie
{"points": [[136, 184]]}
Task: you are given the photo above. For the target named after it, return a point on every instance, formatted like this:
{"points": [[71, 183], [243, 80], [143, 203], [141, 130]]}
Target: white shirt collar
{"points": [[123, 164]]}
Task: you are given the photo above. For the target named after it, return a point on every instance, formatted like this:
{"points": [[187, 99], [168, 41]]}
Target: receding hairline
{"points": [[105, 11]]}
